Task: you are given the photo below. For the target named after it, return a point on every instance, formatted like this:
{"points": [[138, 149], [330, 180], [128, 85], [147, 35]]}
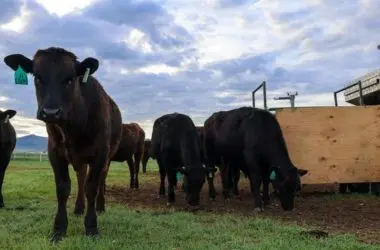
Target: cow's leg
{"points": [[255, 179], [342, 188], [162, 170], [63, 188], [4, 162], [210, 166], [144, 162], [351, 187], [172, 183], [266, 198], [211, 186], [138, 155], [81, 178], [235, 181], [2, 173], [92, 186], [100, 202], [227, 180], [131, 166]]}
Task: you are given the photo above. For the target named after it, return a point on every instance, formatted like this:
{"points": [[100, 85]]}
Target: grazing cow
{"points": [[253, 138], [176, 147], [7, 145], [131, 149], [214, 158], [146, 156], [83, 125]]}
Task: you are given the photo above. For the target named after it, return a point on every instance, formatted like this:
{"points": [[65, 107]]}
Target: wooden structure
{"points": [[336, 144]]}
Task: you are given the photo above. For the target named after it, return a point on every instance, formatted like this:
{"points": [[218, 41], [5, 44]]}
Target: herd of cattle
{"points": [[84, 127]]}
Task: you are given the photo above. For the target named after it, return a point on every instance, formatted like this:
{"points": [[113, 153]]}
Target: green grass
{"points": [[29, 195]]}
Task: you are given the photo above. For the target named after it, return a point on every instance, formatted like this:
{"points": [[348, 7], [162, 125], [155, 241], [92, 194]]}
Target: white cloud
{"points": [[160, 68], [61, 8], [18, 23]]}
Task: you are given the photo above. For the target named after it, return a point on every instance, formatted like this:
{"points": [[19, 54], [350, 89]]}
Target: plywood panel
{"points": [[336, 144]]}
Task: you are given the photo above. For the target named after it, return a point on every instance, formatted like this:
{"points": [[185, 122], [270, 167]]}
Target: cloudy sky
{"points": [[194, 56]]}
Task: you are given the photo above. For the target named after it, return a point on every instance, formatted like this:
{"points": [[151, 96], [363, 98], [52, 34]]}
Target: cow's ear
{"points": [[302, 172], [15, 60], [10, 113], [89, 63]]}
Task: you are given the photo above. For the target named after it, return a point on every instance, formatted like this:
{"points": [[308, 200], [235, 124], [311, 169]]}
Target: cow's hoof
{"points": [[257, 210], [237, 197], [227, 200], [191, 208], [160, 196], [100, 210], [57, 237], [169, 204], [92, 231], [78, 212]]}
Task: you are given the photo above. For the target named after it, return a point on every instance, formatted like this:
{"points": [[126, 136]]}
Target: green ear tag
{"points": [[20, 76], [179, 176], [272, 176]]}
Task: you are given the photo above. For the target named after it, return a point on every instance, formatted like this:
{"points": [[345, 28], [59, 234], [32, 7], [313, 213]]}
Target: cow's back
{"points": [[132, 140], [177, 128]]}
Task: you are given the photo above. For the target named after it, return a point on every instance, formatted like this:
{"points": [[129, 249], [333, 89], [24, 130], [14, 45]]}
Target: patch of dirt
{"points": [[316, 207]]}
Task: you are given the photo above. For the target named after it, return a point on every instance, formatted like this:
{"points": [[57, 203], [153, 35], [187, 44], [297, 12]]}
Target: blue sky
{"points": [[194, 56]]}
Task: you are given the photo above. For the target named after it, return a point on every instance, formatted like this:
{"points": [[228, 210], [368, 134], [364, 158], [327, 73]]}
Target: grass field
{"points": [[27, 219]]}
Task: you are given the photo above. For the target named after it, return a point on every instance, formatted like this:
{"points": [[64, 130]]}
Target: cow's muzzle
{"points": [[50, 115]]}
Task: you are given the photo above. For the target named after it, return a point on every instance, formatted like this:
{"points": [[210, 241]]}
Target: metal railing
{"points": [[264, 86], [359, 83]]}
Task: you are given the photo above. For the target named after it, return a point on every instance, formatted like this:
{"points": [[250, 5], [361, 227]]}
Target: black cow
{"points": [[146, 156], [214, 158], [210, 178], [131, 149], [253, 138], [176, 147], [83, 124], [7, 145]]}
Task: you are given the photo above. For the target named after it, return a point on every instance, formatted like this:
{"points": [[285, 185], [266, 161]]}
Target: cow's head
{"points": [[194, 178], [57, 77], [6, 115], [288, 183]]}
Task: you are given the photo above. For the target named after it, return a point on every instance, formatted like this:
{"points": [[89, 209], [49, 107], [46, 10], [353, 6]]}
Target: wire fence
{"points": [[30, 156]]}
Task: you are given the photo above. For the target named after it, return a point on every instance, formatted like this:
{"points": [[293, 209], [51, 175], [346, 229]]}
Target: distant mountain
{"points": [[31, 143]]}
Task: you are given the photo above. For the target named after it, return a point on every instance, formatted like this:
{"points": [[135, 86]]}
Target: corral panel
{"points": [[336, 144]]}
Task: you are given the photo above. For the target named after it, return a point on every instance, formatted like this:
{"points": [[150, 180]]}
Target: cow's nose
{"points": [[51, 112], [49, 115]]}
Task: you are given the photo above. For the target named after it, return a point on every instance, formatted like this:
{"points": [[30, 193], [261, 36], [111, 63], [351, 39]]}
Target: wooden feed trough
{"points": [[336, 144]]}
